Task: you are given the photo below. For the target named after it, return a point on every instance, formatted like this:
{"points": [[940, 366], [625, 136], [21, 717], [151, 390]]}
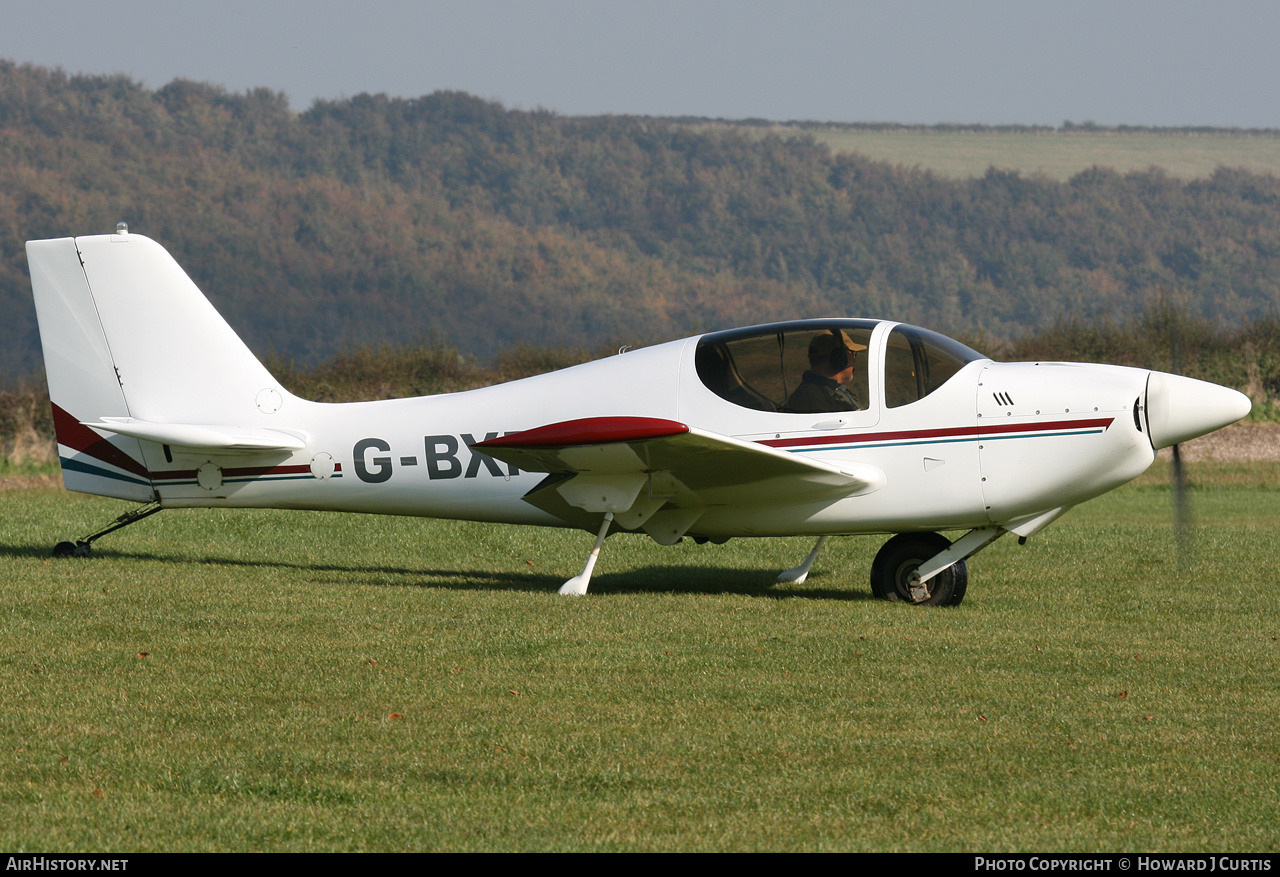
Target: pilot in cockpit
{"points": [[825, 386]]}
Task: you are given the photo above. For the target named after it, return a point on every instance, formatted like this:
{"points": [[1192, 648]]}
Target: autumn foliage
{"points": [[374, 221]]}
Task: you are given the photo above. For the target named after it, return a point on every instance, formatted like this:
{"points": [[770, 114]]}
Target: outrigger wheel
{"points": [[893, 572]]}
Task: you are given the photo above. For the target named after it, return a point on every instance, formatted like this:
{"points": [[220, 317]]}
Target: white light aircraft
{"points": [[816, 427]]}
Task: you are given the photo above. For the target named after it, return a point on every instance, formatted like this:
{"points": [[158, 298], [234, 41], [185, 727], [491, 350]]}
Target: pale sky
{"points": [[1176, 62]]}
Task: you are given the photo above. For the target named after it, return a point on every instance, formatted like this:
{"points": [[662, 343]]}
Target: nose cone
{"points": [[1181, 408]]}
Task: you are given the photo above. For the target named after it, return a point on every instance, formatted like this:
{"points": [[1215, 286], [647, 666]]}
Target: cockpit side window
{"points": [[790, 368], [918, 361], [735, 372]]}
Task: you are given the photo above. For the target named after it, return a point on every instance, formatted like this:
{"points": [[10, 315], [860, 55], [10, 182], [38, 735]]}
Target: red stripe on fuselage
{"points": [[918, 434], [243, 472]]}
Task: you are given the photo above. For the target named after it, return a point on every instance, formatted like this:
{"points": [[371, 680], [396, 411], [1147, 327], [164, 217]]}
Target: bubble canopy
{"points": [[812, 366]]}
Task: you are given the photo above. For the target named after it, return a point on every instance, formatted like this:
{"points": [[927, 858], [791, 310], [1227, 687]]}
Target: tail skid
{"points": [[84, 547]]}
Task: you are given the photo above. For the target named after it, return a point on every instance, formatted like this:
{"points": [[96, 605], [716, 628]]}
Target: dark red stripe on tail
{"points": [[75, 435]]}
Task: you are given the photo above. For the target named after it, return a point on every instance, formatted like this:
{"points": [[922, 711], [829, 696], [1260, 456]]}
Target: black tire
{"points": [[72, 549], [901, 556]]}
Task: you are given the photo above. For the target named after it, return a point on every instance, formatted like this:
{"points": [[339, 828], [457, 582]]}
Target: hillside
{"points": [[451, 218]]}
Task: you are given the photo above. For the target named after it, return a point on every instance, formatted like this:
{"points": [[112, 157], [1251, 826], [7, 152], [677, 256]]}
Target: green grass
{"points": [[290, 681], [28, 468], [1056, 154]]}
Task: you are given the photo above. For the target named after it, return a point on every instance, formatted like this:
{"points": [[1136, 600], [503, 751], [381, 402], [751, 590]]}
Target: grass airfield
{"points": [[249, 680], [1057, 154]]}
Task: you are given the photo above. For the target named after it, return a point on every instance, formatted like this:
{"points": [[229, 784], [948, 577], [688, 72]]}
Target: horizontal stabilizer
{"points": [[205, 436]]}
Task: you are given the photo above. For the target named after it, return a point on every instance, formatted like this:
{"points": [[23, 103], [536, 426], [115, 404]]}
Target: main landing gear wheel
{"points": [[893, 572]]}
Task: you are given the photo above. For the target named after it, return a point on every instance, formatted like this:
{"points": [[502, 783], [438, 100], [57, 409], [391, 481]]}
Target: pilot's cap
{"points": [[826, 343]]}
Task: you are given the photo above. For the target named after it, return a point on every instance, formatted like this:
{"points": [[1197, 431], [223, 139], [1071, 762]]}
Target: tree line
{"points": [[447, 218]]}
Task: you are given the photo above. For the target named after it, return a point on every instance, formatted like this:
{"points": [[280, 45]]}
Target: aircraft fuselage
{"points": [[998, 441]]}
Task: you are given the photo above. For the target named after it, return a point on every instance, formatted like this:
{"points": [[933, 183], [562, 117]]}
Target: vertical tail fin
{"points": [[128, 337]]}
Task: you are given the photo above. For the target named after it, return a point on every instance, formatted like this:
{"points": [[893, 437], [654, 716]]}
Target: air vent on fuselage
{"points": [[1003, 398]]}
